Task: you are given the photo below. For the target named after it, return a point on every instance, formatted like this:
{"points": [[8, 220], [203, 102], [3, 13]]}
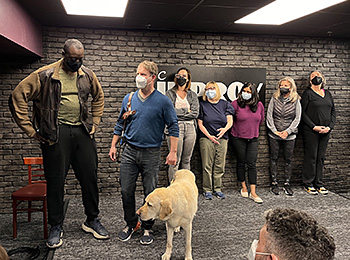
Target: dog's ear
{"points": [[165, 209]]}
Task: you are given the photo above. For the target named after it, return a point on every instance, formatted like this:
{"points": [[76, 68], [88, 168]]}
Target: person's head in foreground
{"points": [[290, 234]]}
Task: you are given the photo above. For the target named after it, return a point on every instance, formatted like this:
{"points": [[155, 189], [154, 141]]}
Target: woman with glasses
{"points": [[214, 121], [282, 118], [245, 132], [186, 106]]}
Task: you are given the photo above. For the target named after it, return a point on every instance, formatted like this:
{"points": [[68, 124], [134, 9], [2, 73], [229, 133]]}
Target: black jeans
{"points": [[315, 146], [288, 148], [137, 160], [76, 148], [246, 151]]}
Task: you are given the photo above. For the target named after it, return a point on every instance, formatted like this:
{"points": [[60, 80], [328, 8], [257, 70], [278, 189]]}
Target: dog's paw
{"points": [[188, 258], [165, 256], [177, 229]]}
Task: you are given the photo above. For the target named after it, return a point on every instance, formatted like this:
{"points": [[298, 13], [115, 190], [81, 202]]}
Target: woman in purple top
{"points": [[245, 132], [214, 121]]}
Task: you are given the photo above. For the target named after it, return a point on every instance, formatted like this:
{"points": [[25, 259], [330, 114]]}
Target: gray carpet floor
{"points": [[222, 229]]}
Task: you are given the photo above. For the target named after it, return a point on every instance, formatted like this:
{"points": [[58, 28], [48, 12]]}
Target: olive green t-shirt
{"points": [[69, 111]]}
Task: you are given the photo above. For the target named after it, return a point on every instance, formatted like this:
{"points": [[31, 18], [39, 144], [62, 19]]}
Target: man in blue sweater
{"points": [[144, 135]]}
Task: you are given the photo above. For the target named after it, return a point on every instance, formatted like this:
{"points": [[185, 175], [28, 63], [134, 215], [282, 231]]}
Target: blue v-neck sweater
{"points": [[145, 128]]}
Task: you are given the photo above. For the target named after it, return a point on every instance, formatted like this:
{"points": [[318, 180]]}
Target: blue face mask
{"points": [[210, 93], [246, 96]]}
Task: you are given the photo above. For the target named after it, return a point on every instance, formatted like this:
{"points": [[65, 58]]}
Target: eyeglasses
{"points": [[179, 75], [261, 253], [210, 88]]}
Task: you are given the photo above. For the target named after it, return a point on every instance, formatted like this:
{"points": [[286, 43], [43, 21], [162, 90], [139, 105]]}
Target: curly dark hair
{"points": [[253, 102], [293, 234]]}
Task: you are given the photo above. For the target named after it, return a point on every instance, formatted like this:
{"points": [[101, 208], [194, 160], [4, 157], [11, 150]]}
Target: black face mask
{"points": [[284, 91], [316, 81], [181, 81], [73, 65]]}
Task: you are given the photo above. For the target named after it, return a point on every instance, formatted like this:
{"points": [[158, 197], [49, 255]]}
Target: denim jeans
{"points": [[185, 146], [246, 151], [213, 163], [137, 160], [288, 148]]}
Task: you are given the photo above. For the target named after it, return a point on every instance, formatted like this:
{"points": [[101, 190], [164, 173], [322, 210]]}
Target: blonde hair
{"points": [[293, 90], [217, 89], [150, 66]]}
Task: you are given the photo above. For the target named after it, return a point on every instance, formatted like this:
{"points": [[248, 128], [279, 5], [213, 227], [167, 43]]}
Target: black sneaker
{"points": [[274, 189], [147, 237], [127, 232], [55, 237], [95, 227], [287, 189]]}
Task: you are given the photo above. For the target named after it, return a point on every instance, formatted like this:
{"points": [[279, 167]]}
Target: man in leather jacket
{"points": [[63, 125]]}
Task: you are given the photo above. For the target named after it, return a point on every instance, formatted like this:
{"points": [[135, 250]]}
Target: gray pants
{"points": [[185, 146]]}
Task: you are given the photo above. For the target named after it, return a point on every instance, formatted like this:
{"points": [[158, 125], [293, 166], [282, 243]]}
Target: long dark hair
{"points": [[188, 84], [253, 102]]}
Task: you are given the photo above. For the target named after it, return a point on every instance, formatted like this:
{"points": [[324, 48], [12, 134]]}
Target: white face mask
{"points": [[252, 251], [246, 96], [141, 82]]}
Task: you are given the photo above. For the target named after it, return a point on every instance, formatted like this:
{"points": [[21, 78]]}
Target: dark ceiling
{"points": [[216, 16], [196, 15]]}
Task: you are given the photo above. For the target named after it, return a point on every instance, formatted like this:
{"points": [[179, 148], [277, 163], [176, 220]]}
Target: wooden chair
{"points": [[34, 191]]}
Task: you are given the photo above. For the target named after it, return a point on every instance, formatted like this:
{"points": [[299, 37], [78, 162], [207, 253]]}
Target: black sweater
{"points": [[317, 110]]}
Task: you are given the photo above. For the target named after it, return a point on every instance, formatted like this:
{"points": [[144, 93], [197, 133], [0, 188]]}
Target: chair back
{"points": [[35, 169]]}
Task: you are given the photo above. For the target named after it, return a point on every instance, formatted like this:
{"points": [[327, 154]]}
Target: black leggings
{"points": [[246, 151], [288, 148]]}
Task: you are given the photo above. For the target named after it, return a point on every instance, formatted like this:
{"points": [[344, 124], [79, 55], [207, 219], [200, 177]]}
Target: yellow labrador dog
{"points": [[177, 205]]}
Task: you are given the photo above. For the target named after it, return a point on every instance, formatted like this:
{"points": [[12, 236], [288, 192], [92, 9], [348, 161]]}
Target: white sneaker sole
{"points": [[146, 243], [128, 238], [56, 245], [93, 232]]}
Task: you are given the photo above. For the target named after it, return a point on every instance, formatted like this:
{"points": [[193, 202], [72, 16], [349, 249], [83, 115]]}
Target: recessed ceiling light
{"points": [[107, 8], [283, 11]]}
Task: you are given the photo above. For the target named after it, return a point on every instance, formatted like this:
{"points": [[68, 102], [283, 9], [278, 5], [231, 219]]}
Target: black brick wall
{"points": [[114, 56]]}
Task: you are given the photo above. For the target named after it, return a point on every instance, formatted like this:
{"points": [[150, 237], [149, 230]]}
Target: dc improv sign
{"points": [[230, 80]]}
